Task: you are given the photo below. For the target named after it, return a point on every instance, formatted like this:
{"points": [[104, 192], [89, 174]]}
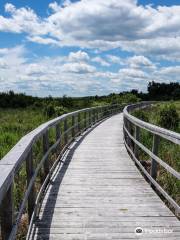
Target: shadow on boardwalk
{"points": [[45, 221]]}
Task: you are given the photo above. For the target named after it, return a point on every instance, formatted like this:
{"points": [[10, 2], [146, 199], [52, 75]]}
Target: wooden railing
{"points": [[132, 138], [65, 128]]}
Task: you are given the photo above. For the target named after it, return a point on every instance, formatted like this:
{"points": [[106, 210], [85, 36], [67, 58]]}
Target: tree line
{"points": [[155, 91]]}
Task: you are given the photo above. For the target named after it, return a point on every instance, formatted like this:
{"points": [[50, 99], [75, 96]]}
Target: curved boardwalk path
{"points": [[98, 193]]}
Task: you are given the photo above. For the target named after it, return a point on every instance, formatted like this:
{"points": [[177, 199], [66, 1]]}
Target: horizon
{"points": [[87, 48]]}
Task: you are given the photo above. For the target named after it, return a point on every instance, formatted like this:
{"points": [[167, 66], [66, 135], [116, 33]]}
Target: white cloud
{"points": [[115, 59], [23, 20], [60, 75], [168, 74], [139, 62], [101, 24], [80, 68], [78, 56], [10, 8], [132, 73], [44, 41], [54, 7], [101, 61], [167, 48], [149, 34]]}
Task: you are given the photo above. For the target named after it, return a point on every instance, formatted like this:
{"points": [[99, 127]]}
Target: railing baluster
{"points": [[7, 214], [128, 128], [154, 164], [58, 136], [58, 132], [65, 131], [45, 149], [94, 116], [97, 111], [79, 123], [85, 120], [101, 113], [89, 118], [137, 137], [30, 172], [73, 126]]}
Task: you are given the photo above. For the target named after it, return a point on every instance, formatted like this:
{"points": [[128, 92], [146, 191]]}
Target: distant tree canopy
{"points": [[164, 91], [155, 91], [14, 100]]}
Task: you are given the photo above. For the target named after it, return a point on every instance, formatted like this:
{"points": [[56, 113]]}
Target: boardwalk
{"points": [[98, 193]]}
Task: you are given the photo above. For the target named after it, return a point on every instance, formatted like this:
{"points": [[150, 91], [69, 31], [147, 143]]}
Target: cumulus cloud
{"points": [[167, 48], [143, 36], [22, 20], [75, 76], [43, 41], [101, 24], [80, 68], [101, 61], [114, 59], [78, 56], [54, 7], [140, 62], [132, 73]]}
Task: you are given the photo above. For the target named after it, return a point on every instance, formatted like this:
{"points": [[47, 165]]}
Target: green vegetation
{"points": [[16, 122], [166, 115], [169, 118], [19, 114]]}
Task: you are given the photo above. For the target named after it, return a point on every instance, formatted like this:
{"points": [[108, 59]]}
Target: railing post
{"points": [[128, 128], [111, 111], [108, 112], [89, 118], [154, 164], [58, 132], [101, 113], [45, 149], [104, 112], [79, 123], [85, 120], [65, 131], [58, 137], [94, 116], [32, 195], [137, 137], [73, 126], [97, 115], [7, 214]]}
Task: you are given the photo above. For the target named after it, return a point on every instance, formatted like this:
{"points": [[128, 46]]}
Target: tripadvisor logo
{"points": [[139, 231]]}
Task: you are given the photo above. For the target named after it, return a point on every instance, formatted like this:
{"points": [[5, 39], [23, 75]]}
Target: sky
{"points": [[88, 47]]}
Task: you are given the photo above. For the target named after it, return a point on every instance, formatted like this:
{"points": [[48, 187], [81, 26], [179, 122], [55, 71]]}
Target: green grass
{"points": [[168, 151], [15, 123], [151, 114]]}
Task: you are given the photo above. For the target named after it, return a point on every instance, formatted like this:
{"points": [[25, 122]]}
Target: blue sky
{"points": [[87, 47]]}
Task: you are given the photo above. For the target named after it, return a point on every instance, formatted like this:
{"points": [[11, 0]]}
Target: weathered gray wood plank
{"points": [[100, 194]]}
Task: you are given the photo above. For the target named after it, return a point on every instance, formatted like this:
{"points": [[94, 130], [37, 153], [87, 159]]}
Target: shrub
{"points": [[130, 98], [37, 104], [168, 117], [60, 110], [142, 115], [49, 110]]}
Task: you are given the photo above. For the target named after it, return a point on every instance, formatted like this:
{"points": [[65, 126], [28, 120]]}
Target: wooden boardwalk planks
{"points": [[98, 193]]}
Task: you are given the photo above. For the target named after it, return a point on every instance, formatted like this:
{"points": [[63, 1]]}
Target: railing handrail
{"points": [[162, 132], [22, 152], [158, 132], [23, 146]]}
